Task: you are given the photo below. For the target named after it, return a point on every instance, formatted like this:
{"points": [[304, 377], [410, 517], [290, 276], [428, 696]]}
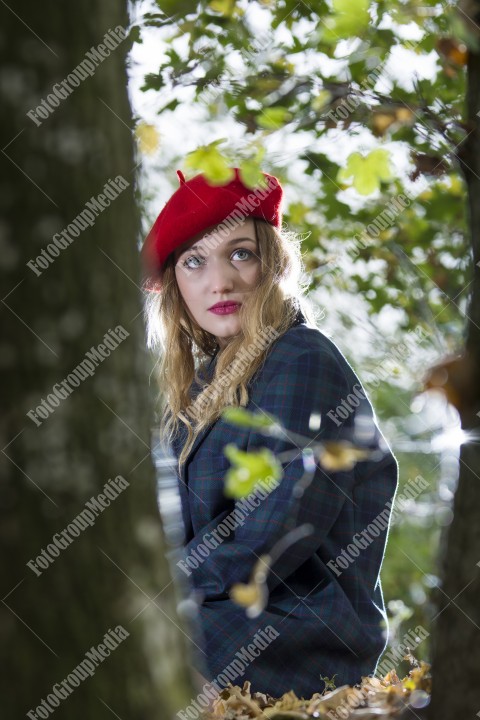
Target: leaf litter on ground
{"points": [[386, 697]]}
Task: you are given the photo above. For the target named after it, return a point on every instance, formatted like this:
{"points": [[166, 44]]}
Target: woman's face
{"points": [[226, 269]]}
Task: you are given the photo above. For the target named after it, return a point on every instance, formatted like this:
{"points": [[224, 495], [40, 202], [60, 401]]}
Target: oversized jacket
{"points": [[325, 615]]}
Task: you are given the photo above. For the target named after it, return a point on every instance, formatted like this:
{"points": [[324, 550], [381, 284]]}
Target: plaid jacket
{"points": [[326, 608]]}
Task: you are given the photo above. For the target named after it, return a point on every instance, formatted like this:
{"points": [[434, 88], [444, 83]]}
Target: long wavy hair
{"points": [[185, 348]]}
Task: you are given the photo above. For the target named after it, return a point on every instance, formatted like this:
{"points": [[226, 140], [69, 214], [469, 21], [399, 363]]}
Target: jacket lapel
{"points": [[198, 440]]}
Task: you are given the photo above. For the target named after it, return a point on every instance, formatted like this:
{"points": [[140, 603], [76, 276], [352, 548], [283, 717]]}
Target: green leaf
{"points": [[210, 161], [368, 171], [176, 7], [350, 18], [135, 34], [170, 106], [274, 118], [252, 469], [297, 212], [244, 418], [225, 7], [251, 174]]}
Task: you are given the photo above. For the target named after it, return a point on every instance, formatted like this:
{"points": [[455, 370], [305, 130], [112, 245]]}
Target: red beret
{"points": [[196, 206]]}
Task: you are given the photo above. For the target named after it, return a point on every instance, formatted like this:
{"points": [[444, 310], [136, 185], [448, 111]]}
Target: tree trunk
{"points": [[456, 650], [71, 581]]}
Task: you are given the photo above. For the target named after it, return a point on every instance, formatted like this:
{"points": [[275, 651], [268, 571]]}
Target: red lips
{"points": [[224, 303], [225, 308]]}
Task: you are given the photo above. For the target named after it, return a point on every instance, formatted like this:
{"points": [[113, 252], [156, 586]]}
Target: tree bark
{"points": [[59, 604], [456, 646]]}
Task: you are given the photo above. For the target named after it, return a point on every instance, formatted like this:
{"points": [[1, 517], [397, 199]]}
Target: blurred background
{"points": [[368, 113]]}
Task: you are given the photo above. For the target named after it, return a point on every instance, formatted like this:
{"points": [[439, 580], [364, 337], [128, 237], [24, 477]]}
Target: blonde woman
{"points": [[226, 309]]}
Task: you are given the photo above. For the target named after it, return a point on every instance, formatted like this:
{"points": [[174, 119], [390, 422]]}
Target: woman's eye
{"points": [[186, 263], [242, 250], [192, 257]]}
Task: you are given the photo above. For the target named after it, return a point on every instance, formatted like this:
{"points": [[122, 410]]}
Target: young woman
{"points": [[226, 306]]}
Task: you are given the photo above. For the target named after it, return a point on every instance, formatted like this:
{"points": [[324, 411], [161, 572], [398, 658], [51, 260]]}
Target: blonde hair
{"points": [[186, 347]]}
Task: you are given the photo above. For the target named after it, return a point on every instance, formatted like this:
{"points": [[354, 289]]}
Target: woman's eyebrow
{"points": [[230, 242]]}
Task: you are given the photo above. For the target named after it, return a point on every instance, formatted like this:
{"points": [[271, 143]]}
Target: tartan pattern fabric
{"points": [[329, 622]]}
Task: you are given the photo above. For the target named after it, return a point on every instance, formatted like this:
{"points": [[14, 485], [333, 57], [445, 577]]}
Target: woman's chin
{"points": [[224, 327]]}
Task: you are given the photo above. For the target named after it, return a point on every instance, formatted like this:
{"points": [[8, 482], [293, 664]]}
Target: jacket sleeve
{"points": [[314, 382]]}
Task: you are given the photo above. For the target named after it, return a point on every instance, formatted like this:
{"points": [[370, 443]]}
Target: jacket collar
{"points": [[299, 318]]}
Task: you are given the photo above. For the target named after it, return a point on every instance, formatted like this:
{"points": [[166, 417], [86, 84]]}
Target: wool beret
{"points": [[197, 205]]}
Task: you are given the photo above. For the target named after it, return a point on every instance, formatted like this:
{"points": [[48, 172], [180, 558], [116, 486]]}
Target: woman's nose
{"points": [[220, 276]]}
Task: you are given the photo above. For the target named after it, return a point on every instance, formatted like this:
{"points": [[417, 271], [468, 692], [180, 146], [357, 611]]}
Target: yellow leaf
{"points": [[341, 456], [245, 594], [453, 51], [382, 121], [323, 98], [148, 138], [404, 115], [253, 595], [384, 118]]}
